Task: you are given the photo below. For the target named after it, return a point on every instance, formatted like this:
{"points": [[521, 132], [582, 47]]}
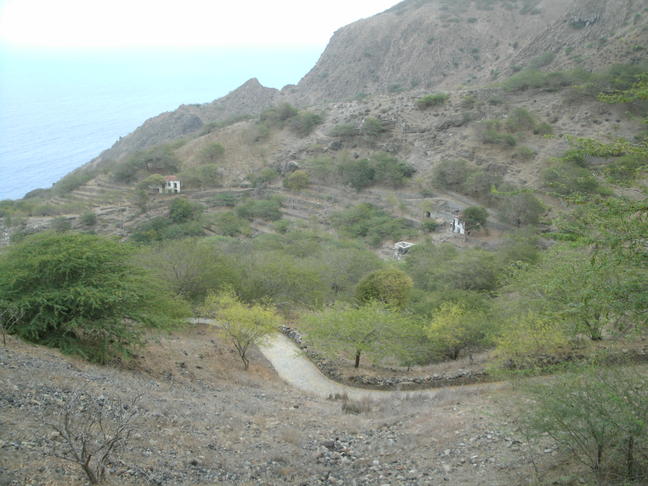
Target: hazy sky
{"points": [[179, 23]]}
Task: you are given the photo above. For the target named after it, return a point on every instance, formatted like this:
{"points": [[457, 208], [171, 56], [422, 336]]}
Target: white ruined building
{"points": [[401, 248], [458, 225], [171, 185]]}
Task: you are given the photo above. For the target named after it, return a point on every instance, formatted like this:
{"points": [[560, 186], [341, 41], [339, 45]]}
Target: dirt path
{"points": [[298, 371]]}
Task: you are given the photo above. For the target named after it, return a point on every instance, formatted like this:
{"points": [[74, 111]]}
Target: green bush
{"points": [[225, 199], [266, 209], [525, 153], [88, 219], [61, 224], [534, 79], [445, 269], [94, 302], [542, 60], [451, 174], [73, 180], [455, 327], [344, 130], [264, 177], [521, 209], [371, 223], [430, 226], [520, 120], [183, 210], [160, 159], [490, 133], [600, 417], [567, 179], [203, 176], [296, 181], [390, 286], [230, 224], [389, 170], [475, 217], [543, 128], [372, 127], [432, 100], [161, 228], [304, 123], [212, 153], [359, 174]]}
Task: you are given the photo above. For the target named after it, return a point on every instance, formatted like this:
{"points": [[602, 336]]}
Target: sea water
{"points": [[59, 110]]}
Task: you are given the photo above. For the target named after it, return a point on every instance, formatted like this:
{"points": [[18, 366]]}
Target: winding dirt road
{"points": [[297, 370]]}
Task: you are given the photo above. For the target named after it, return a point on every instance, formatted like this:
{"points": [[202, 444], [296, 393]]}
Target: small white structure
{"points": [[171, 185], [401, 248], [458, 225]]}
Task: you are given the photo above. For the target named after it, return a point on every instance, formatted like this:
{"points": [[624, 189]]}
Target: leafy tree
{"points": [[243, 325], [584, 292], [264, 177], [159, 159], [455, 328], [88, 218], [267, 209], [369, 222], [80, 293], [304, 123], [521, 209], [297, 181], [344, 130], [529, 339], [359, 174], [372, 127], [389, 170], [475, 217], [567, 179], [451, 174], [208, 175], [183, 210], [390, 286], [153, 181], [190, 266], [600, 416], [212, 153], [230, 224], [372, 329], [430, 100]]}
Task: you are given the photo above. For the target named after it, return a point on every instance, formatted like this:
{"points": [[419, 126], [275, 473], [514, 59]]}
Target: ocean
{"points": [[59, 110]]}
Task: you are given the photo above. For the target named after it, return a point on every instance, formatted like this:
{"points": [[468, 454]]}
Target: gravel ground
{"points": [[203, 421]]}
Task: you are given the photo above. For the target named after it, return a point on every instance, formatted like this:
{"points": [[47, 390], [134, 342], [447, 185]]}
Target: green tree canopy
{"points": [[372, 329], [475, 217], [456, 327], [243, 325], [390, 286], [81, 293]]}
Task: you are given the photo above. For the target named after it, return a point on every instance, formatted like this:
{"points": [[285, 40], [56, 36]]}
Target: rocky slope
{"points": [[423, 45], [203, 421], [249, 99], [437, 44]]}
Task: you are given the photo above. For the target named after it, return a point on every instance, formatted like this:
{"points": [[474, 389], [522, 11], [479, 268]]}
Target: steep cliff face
{"points": [[426, 44], [249, 99], [423, 45]]}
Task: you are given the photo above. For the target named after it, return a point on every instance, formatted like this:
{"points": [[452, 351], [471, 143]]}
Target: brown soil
{"points": [[205, 421]]}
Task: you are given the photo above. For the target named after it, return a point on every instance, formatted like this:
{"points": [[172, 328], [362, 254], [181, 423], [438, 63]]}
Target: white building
{"points": [[401, 248], [171, 185], [458, 225]]}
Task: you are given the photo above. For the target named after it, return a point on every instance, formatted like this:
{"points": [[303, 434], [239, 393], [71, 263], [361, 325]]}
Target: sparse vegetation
{"points": [[368, 222], [432, 100]]}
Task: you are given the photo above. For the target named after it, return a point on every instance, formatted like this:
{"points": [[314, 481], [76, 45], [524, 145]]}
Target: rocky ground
{"points": [[202, 420]]}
